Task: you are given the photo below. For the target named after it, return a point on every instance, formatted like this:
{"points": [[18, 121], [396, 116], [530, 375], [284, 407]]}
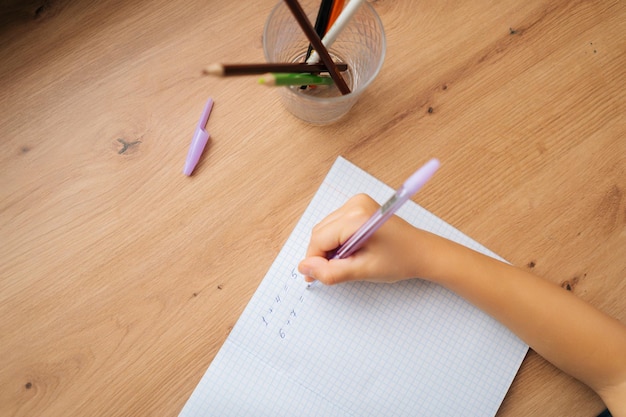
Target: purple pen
{"points": [[199, 141], [405, 192]]}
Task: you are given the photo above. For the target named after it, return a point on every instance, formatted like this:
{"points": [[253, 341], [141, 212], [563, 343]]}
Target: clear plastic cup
{"points": [[361, 44]]}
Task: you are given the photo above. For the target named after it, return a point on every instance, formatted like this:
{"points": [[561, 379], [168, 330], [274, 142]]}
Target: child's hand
{"points": [[518, 299], [388, 256]]}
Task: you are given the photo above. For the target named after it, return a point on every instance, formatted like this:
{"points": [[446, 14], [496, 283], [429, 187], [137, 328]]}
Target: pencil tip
{"points": [[267, 79], [213, 69]]}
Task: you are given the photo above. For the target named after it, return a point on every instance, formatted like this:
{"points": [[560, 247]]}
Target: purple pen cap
{"points": [[421, 176], [199, 141]]}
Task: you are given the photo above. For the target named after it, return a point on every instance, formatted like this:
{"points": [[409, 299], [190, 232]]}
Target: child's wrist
{"points": [[436, 259]]}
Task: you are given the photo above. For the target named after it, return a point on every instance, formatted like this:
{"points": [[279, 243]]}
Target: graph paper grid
{"points": [[359, 349]]}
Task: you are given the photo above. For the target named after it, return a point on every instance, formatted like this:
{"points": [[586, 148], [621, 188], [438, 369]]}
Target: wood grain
{"points": [[120, 278]]}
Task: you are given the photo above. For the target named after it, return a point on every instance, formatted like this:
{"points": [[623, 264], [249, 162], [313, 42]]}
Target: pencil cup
{"points": [[360, 44]]}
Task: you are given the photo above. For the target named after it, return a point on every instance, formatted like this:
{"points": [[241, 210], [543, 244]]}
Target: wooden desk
{"points": [[120, 278]]}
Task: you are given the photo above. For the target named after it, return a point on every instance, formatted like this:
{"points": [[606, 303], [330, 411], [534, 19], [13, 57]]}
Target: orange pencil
{"points": [[334, 13]]}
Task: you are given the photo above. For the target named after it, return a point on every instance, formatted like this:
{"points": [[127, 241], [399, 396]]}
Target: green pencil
{"points": [[294, 79]]}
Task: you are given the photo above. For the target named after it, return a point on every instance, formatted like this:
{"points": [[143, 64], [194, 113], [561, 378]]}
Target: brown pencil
{"points": [[309, 31], [264, 68]]}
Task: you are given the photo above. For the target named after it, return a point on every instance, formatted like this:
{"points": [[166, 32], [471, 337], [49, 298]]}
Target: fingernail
{"points": [[306, 271]]}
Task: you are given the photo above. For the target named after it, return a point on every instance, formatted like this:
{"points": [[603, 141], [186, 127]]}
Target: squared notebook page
{"points": [[358, 349]]}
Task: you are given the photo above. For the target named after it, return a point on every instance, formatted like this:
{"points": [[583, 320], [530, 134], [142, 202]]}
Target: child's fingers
{"points": [[327, 272], [337, 227]]}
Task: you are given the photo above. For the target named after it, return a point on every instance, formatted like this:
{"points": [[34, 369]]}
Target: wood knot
{"points": [[570, 284], [42, 10], [126, 145], [28, 385]]}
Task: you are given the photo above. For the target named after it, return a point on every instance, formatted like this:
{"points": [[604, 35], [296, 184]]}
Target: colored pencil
{"points": [[294, 79], [334, 14], [337, 27], [321, 22], [306, 26], [264, 68]]}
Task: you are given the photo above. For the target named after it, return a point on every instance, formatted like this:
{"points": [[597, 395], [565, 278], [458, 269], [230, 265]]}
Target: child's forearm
{"points": [[562, 328], [565, 330]]}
